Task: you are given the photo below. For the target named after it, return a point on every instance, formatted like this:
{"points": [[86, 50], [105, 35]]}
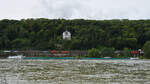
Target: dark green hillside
{"points": [[44, 34]]}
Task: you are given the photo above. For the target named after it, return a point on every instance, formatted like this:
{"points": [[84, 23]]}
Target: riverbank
{"points": [[73, 58]]}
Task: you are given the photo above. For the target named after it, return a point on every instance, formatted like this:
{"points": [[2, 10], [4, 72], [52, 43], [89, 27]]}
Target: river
{"points": [[74, 71]]}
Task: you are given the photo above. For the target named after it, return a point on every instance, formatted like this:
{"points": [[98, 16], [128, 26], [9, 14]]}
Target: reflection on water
{"points": [[74, 71]]}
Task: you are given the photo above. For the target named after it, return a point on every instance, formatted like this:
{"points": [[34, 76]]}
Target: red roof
{"points": [[135, 52], [65, 52], [54, 51]]}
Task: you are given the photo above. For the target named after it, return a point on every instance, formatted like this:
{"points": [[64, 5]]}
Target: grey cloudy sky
{"points": [[75, 9]]}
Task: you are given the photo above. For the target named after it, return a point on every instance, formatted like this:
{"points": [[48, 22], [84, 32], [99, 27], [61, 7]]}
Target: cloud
{"points": [[17, 9], [75, 9], [95, 9]]}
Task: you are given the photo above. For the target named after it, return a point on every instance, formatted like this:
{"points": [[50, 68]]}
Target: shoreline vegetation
{"points": [[118, 38], [105, 53]]}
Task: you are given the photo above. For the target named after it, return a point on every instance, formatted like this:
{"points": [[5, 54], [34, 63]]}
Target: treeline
{"points": [[46, 34]]}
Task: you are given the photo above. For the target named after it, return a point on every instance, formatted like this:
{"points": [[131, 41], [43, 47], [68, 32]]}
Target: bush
{"points": [[93, 53], [107, 52], [127, 52], [146, 49]]}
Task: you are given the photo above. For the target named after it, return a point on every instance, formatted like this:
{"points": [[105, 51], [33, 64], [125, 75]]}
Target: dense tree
{"points": [[44, 34], [146, 49]]}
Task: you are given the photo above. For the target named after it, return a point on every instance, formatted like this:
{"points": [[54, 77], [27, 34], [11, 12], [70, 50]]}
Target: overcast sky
{"points": [[75, 9]]}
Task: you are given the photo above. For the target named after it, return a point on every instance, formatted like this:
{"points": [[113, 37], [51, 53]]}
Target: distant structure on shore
{"points": [[66, 35]]}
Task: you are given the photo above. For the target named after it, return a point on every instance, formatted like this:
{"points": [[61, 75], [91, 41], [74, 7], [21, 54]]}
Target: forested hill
{"points": [[46, 34]]}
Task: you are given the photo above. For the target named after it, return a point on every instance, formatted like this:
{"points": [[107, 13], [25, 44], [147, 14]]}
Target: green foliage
{"points": [[146, 49], [93, 53], [20, 43], [127, 52], [44, 34], [107, 52]]}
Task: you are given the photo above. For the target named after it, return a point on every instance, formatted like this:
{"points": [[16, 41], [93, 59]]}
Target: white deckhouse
{"points": [[66, 35]]}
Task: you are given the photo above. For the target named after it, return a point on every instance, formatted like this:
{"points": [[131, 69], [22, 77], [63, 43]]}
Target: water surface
{"points": [[74, 71]]}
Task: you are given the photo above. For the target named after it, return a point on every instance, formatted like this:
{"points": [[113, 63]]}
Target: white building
{"points": [[67, 35]]}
